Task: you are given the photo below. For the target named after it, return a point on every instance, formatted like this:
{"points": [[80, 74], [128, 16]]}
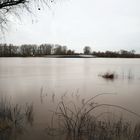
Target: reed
{"points": [[14, 116], [84, 123]]}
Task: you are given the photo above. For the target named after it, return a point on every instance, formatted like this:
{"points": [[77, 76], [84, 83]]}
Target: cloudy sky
{"points": [[101, 24]]}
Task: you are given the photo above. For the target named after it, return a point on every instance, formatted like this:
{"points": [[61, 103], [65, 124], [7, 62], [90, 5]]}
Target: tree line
{"points": [[120, 54], [25, 50], [28, 50]]}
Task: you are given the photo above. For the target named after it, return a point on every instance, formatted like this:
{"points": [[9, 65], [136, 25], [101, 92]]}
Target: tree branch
{"points": [[10, 3]]}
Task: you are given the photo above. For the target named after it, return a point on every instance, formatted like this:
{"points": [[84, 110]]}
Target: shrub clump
{"points": [[85, 123]]}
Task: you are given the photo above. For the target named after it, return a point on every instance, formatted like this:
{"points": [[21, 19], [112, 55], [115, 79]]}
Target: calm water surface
{"points": [[43, 81]]}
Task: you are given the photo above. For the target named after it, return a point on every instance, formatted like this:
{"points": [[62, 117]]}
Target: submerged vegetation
{"points": [[84, 122], [108, 75], [72, 120], [113, 75], [13, 118]]}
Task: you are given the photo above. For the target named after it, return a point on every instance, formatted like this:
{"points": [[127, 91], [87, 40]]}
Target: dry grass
{"points": [[84, 123]]}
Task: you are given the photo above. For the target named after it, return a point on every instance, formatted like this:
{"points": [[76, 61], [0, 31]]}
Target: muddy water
{"points": [[45, 81]]}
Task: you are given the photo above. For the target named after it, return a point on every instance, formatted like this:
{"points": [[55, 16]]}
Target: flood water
{"points": [[44, 81]]}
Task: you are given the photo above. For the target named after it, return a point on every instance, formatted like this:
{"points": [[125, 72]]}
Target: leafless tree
{"points": [[87, 50], [13, 6]]}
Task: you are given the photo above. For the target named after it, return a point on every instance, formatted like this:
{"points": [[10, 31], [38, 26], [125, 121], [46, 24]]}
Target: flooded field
{"points": [[45, 82]]}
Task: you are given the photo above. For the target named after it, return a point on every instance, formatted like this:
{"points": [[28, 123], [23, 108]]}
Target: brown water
{"points": [[44, 81]]}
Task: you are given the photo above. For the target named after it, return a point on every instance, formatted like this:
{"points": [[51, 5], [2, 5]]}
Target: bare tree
{"points": [[13, 7], [87, 50], [45, 49], [60, 50]]}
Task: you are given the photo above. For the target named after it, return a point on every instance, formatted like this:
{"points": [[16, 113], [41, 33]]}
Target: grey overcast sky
{"points": [[101, 24]]}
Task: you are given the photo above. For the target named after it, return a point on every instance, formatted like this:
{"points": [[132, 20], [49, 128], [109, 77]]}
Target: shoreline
{"points": [[70, 56], [66, 56]]}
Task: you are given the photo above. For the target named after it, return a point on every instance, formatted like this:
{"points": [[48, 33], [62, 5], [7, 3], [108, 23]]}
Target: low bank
{"points": [[70, 56]]}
